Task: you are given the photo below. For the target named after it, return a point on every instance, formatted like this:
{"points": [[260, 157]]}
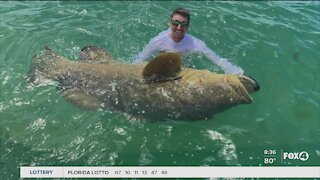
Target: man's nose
{"points": [[179, 26]]}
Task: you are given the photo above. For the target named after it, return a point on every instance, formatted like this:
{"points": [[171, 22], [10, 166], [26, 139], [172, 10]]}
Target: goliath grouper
{"points": [[159, 89]]}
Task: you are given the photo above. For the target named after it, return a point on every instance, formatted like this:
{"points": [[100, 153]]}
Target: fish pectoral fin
{"points": [[83, 100], [165, 67], [95, 54]]}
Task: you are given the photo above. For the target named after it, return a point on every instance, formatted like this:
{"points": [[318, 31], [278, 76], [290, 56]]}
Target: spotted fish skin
{"points": [[159, 89]]}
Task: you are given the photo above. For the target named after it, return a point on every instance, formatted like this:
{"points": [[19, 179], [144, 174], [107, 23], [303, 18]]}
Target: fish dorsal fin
{"points": [[95, 54], [164, 67]]}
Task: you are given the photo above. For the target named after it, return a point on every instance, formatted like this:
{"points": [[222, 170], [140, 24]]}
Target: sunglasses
{"points": [[183, 24]]}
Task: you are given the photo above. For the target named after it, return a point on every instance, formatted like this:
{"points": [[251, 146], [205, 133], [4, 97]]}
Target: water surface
{"points": [[277, 43]]}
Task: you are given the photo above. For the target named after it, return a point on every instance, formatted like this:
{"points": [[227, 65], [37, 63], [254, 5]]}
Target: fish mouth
{"points": [[249, 83], [257, 86]]}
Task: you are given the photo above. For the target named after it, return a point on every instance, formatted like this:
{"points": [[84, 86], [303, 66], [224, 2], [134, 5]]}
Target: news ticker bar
{"points": [[168, 172]]}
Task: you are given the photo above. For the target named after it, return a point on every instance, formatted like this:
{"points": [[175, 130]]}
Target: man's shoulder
{"points": [[162, 36], [189, 36], [164, 33], [194, 40]]}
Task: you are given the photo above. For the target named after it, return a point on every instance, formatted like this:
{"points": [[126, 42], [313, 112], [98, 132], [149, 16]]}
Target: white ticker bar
{"points": [[168, 172]]}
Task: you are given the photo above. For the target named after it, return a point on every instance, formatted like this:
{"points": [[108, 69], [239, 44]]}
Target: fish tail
{"points": [[42, 67]]}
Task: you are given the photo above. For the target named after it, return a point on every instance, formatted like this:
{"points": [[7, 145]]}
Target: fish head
{"points": [[249, 83]]}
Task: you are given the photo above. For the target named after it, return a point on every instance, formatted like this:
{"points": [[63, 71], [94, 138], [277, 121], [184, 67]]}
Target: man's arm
{"points": [[227, 67], [147, 52]]}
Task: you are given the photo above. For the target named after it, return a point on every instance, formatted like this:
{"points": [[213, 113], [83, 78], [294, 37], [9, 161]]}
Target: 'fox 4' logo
{"points": [[302, 156]]}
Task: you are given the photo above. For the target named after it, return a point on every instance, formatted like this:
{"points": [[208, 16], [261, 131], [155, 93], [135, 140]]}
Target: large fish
{"points": [[159, 89]]}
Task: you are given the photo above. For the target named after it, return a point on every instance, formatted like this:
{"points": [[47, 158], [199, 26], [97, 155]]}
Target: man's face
{"points": [[179, 26]]}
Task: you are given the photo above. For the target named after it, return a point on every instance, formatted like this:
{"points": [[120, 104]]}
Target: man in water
{"points": [[176, 39]]}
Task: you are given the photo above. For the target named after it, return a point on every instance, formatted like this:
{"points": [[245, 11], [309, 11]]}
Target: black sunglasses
{"points": [[183, 24]]}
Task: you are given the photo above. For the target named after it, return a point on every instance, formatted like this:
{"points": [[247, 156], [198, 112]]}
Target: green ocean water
{"points": [[277, 43]]}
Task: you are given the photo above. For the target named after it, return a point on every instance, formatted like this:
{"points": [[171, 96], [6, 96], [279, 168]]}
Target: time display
{"points": [[269, 152]]}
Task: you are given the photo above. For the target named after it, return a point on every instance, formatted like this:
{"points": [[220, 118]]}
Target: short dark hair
{"points": [[183, 12]]}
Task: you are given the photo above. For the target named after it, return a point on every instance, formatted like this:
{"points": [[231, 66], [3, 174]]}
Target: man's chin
{"points": [[178, 35]]}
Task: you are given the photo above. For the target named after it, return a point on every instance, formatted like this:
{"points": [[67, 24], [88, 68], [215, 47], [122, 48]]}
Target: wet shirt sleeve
{"points": [[147, 51], [227, 67]]}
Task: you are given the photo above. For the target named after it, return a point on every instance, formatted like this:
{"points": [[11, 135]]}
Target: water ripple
{"points": [[275, 42]]}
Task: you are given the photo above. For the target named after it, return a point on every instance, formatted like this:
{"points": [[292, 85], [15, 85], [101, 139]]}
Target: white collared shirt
{"points": [[188, 45]]}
